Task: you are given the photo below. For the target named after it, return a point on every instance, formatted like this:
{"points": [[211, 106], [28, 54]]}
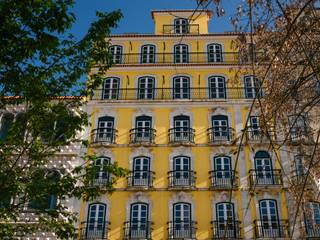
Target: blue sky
{"points": [[137, 16]]}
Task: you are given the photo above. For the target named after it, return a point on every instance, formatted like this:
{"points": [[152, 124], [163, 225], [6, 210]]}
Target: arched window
{"points": [[214, 52], [146, 87], [220, 128], [223, 170], [105, 131], [141, 171], [181, 87], [6, 122], [143, 129], [102, 175], [182, 225], [181, 54], [148, 52], [138, 226], [251, 87], [217, 87], [181, 25], [225, 221], [111, 88], [181, 127], [116, 52], [182, 175], [263, 168], [96, 221], [269, 225]]}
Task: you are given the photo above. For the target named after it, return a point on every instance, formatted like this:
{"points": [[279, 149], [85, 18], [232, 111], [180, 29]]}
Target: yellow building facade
{"points": [[172, 110]]}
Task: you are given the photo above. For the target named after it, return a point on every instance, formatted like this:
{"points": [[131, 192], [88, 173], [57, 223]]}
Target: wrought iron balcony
{"points": [[174, 29], [265, 178], [271, 229], [182, 230], [181, 135], [182, 179], [226, 229], [137, 230], [301, 134], [104, 135], [142, 135], [257, 135], [102, 181], [220, 135], [140, 179], [312, 230], [223, 179], [94, 230]]}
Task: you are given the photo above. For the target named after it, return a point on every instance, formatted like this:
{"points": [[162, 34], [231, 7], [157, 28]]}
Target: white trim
{"points": [[143, 112], [178, 112], [221, 152], [262, 148], [140, 152], [138, 197], [181, 197], [224, 197], [106, 113], [181, 151], [219, 111], [99, 199]]}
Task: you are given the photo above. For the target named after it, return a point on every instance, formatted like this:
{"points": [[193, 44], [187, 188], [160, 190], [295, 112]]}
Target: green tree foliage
{"points": [[40, 62]]}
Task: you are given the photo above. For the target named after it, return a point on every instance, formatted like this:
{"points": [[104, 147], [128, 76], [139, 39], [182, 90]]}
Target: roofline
{"points": [[55, 97], [136, 35], [209, 12]]}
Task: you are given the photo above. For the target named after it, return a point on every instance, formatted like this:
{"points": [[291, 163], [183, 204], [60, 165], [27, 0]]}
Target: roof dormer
{"points": [[181, 21]]}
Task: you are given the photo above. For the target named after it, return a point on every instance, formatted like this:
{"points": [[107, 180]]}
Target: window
{"points": [[181, 25], [139, 214], [214, 52], [181, 128], [254, 125], [146, 87], [102, 175], [141, 171], [223, 170], [181, 87], [251, 52], [263, 168], [181, 53], [315, 206], [299, 166], [182, 171], [220, 128], [148, 53], [143, 128], [312, 220], [182, 224], [225, 220], [5, 124], [251, 86], [217, 87], [96, 223], [116, 52], [269, 218], [111, 88], [106, 131], [298, 126]]}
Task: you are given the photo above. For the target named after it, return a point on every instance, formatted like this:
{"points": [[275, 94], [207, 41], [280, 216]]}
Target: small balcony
{"points": [[182, 179], [256, 135], [104, 135], [102, 181], [186, 29], [271, 229], [182, 230], [220, 135], [137, 230], [181, 135], [226, 229], [312, 230], [140, 179], [265, 178], [299, 135], [223, 179], [94, 230], [142, 135]]}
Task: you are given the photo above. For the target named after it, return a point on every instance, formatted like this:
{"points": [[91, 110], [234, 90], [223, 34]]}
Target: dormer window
{"points": [[181, 25]]}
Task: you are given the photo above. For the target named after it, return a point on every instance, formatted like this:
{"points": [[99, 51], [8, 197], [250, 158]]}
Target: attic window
{"points": [[181, 25]]}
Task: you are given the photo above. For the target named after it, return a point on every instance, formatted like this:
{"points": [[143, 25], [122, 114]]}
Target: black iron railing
{"points": [[102, 180], [142, 135], [104, 135], [137, 230], [180, 29], [94, 230], [257, 135], [184, 94], [182, 230], [181, 135], [220, 135], [140, 178], [312, 230], [271, 228], [226, 229], [181, 178], [224, 179], [265, 177]]}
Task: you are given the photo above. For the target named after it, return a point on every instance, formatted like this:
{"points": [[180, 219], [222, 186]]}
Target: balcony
{"points": [[256, 135], [142, 135], [181, 135], [94, 230], [223, 179], [220, 135], [102, 181], [312, 230], [299, 135], [264, 178], [272, 229], [187, 29], [137, 230], [140, 179], [182, 230], [104, 135], [182, 179], [226, 229]]}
